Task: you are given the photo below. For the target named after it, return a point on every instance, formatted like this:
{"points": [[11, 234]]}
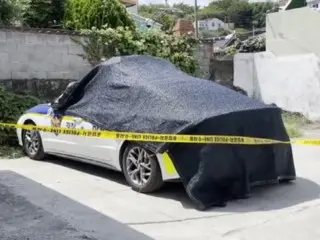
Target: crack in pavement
{"points": [[178, 220], [281, 215]]}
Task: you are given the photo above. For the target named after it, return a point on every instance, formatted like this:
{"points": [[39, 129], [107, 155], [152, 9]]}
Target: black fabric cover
{"points": [[148, 94]]}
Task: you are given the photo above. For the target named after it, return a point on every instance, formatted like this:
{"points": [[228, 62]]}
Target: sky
{"points": [[190, 2]]}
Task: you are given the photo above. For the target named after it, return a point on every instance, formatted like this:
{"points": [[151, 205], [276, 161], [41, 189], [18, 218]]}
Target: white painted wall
{"points": [[291, 82], [293, 32], [27, 55]]}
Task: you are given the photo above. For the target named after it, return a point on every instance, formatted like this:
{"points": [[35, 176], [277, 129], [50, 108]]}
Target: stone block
{"points": [[16, 37], [3, 37], [73, 75], [57, 75], [8, 47], [4, 58], [29, 75], [24, 67], [5, 74], [65, 40], [32, 38], [52, 39], [75, 49]]}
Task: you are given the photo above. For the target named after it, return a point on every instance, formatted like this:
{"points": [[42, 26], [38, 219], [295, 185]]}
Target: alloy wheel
{"points": [[32, 142], [138, 163]]}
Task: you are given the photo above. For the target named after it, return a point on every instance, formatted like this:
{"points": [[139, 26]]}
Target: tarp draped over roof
{"points": [[150, 95]]}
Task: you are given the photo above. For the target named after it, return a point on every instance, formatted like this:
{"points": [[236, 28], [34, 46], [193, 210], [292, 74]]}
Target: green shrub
{"points": [[85, 14], [109, 42], [11, 107]]}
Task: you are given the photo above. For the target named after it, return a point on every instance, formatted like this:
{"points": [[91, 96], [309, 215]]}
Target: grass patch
{"points": [[10, 152], [294, 123]]}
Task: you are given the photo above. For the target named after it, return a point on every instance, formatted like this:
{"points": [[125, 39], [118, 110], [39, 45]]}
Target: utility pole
{"points": [[166, 3], [196, 17]]}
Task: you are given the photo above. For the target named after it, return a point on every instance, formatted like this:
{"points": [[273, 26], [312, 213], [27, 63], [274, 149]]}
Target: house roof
{"points": [[129, 3], [183, 24]]}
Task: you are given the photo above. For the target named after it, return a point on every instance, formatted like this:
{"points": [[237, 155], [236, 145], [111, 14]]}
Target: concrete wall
{"points": [[34, 55], [44, 63], [293, 32], [204, 54], [291, 82]]}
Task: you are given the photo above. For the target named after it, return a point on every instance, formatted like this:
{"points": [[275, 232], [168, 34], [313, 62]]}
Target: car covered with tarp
{"points": [[144, 94]]}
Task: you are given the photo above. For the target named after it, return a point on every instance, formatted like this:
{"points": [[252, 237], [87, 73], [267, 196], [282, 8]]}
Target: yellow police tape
{"points": [[169, 138]]}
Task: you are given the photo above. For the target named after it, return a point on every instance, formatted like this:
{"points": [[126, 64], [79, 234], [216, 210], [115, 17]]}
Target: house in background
{"points": [[213, 24]]}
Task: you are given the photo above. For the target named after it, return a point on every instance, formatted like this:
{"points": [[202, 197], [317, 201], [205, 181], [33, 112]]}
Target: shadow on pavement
{"points": [[264, 198], [90, 169], [31, 211]]}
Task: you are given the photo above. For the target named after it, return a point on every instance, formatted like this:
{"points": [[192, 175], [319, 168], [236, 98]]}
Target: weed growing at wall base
{"points": [[12, 107], [9, 152], [293, 123]]}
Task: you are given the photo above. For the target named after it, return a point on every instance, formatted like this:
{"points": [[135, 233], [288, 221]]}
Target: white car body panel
{"points": [[97, 151]]}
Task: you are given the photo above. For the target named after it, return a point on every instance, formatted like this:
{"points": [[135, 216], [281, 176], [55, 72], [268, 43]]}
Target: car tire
{"points": [[33, 138], [145, 175]]}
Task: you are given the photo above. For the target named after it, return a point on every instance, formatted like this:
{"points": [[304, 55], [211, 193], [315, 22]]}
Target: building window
{"points": [[315, 5], [212, 24]]}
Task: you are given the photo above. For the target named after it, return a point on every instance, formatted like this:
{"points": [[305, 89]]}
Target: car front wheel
{"points": [[32, 144], [141, 169]]}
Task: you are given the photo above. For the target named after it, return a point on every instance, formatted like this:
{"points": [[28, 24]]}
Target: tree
{"points": [[242, 13], [58, 12], [259, 11], [156, 13], [6, 12], [187, 10], [85, 14], [37, 13], [42, 13], [166, 17]]}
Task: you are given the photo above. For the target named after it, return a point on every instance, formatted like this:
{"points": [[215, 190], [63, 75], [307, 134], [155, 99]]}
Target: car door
{"points": [[58, 143], [95, 148]]}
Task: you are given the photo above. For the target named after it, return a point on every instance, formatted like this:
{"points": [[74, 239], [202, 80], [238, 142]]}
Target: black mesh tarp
{"points": [[147, 94]]}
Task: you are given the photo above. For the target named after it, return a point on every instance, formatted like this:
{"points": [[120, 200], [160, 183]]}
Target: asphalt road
{"points": [[60, 199]]}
